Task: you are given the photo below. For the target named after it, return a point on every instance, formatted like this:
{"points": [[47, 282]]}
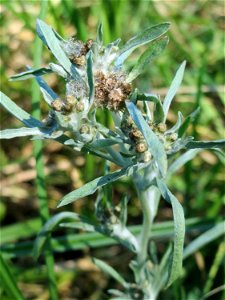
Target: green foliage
{"points": [[106, 143]]}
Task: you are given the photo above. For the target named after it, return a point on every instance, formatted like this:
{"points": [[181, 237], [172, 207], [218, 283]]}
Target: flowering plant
{"points": [[140, 144]]}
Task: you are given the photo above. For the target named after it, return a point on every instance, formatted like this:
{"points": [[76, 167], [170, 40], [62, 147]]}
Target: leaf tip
{"points": [[59, 204]]}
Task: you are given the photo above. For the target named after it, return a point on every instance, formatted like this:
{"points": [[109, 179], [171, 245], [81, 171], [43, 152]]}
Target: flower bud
{"points": [[161, 127], [173, 137], [147, 156], [85, 129], [136, 134], [141, 147], [80, 106], [69, 103], [151, 125], [57, 104]]}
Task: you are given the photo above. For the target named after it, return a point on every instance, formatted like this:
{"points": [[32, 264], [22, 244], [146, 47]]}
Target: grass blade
{"points": [[218, 260], [160, 231], [204, 239], [90, 77], [40, 177], [48, 228], [8, 281]]}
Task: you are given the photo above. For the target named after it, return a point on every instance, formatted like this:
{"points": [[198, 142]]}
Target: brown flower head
{"points": [[111, 90]]}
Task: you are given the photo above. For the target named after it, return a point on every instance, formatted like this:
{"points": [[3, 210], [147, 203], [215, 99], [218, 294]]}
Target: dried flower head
{"points": [[76, 50], [111, 90]]}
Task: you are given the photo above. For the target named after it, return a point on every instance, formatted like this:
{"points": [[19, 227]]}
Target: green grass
{"points": [[197, 36]]}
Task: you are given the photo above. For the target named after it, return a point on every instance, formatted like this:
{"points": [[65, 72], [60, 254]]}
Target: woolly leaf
{"points": [[54, 45], [31, 74], [179, 232], [90, 187], [18, 112], [146, 36], [58, 69], [18, 132], [182, 160], [173, 89], [110, 271], [153, 51], [206, 144], [178, 124]]}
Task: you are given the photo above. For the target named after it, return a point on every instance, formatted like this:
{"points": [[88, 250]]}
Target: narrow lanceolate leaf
{"points": [[49, 227], [18, 112], [54, 45], [90, 77], [31, 74], [99, 38], [153, 51], [161, 276], [48, 94], [205, 238], [155, 146], [146, 36], [90, 187], [58, 69], [173, 88], [189, 119], [110, 271], [18, 132], [182, 160], [102, 143], [206, 144], [158, 110], [178, 124], [179, 232]]}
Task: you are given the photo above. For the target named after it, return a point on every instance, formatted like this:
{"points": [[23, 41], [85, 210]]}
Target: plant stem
{"points": [[40, 178], [146, 228], [149, 198]]}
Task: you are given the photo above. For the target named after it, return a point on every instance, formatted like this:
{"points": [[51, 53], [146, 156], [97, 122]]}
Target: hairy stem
{"points": [[149, 198]]}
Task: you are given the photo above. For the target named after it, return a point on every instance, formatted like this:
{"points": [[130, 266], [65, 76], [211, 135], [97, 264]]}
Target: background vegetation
{"points": [[197, 36]]}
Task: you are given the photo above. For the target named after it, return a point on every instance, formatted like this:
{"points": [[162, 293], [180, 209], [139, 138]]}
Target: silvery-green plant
{"points": [[140, 144]]}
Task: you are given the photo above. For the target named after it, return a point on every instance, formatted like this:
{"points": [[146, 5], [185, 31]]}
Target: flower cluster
{"points": [[95, 79], [111, 90]]}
